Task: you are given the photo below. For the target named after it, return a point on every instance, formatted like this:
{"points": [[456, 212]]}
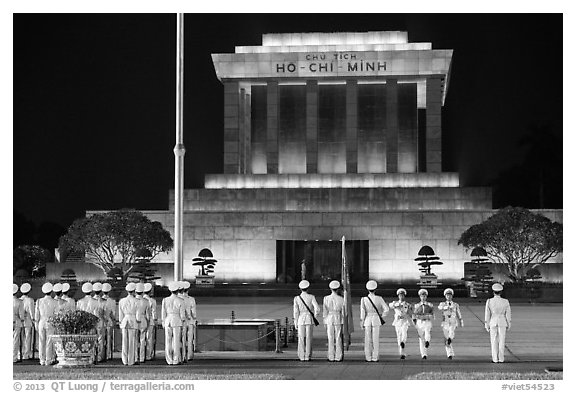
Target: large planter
{"points": [[74, 350]]}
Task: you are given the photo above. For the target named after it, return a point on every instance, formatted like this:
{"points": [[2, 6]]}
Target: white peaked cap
{"points": [[304, 284], [371, 285], [401, 290], [186, 284], [422, 292], [147, 287], [173, 286], [65, 287], [497, 287], [130, 287], [106, 287], [14, 289], [334, 284], [25, 288], [97, 286], [47, 288], [57, 287], [86, 287], [140, 287], [448, 290]]}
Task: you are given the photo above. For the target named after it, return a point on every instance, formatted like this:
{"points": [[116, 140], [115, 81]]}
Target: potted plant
{"points": [[74, 338]]}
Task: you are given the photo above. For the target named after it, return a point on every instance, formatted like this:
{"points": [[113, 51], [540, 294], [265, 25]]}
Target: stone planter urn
{"points": [[74, 350]]}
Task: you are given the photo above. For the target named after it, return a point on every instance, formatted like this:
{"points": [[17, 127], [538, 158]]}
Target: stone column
{"points": [[272, 127], [312, 126], [231, 127], [245, 150], [352, 126], [391, 125], [434, 125]]}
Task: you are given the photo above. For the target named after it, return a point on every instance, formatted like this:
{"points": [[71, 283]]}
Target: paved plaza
{"points": [[533, 344]]}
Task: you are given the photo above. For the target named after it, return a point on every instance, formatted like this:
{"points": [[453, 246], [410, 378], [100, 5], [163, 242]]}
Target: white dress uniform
{"points": [[143, 323], [151, 326], [371, 322], [127, 310], [111, 316], [45, 308], [497, 319], [173, 317], [188, 340], [303, 320], [451, 316], [96, 307], [423, 312], [333, 316], [18, 316], [402, 313], [65, 288], [28, 328]]}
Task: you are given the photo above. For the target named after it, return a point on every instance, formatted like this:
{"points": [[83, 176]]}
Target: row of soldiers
{"points": [[135, 314], [373, 310]]}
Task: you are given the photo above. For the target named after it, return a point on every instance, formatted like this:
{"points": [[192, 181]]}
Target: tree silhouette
{"points": [[206, 261]]}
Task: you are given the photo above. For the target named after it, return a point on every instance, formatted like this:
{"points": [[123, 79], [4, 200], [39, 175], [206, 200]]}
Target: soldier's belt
{"points": [[423, 317]]}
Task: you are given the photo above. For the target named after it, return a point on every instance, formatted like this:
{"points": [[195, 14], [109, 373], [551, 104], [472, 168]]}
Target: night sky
{"points": [[94, 103]]}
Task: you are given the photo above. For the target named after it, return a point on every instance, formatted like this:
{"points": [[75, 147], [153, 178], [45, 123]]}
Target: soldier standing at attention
{"points": [[451, 316], [402, 312], [82, 304], [18, 316], [45, 308], [28, 321], [373, 309], [173, 315], [65, 289], [127, 309], [333, 315], [96, 307], [145, 314], [150, 343], [62, 305], [305, 311], [423, 315], [497, 320], [189, 325], [111, 316]]}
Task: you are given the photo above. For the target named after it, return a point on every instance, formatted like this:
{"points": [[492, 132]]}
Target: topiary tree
{"points": [[517, 237], [116, 236]]}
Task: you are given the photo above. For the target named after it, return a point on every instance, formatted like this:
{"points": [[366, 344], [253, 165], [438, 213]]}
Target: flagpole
{"points": [[179, 151]]}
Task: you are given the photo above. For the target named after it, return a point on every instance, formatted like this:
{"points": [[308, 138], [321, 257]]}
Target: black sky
{"points": [[94, 100]]}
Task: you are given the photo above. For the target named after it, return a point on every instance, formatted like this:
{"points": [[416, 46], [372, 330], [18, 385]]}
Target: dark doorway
{"points": [[322, 259]]}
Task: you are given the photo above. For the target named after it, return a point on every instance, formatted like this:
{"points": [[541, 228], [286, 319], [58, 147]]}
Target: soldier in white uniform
{"points": [[17, 323], [305, 309], [184, 331], [45, 308], [497, 320], [145, 315], [110, 319], [127, 314], [333, 316], [423, 314], [402, 314], [28, 339], [372, 309], [61, 304], [65, 289], [189, 326], [82, 304], [451, 317], [96, 307], [173, 317], [150, 332]]}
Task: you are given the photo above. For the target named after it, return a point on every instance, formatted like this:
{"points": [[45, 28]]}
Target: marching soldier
{"points": [[96, 307], [305, 311], [150, 332], [422, 316], [45, 308], [82, 304], [188, 328], [127, 310], [173, 315], [497, 320], [451, 316], [110, 319], [402, 311], [333, 316], [28, 341], [373, 309], [65, 289], [143, 323], [18, 316]]}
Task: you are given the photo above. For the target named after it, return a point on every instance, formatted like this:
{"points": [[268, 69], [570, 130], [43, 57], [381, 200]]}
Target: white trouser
{"points": [[16, 342], [45, 348], [128, 346], [109, 342], [184, 343], [305, 333], [101, 332], [449, 329], [142, 344], [28, 336], [402, 337], [334, 342], [189, 342], [372, 342], [150, 342], [423, 327], [498, 341], [172, 343]]}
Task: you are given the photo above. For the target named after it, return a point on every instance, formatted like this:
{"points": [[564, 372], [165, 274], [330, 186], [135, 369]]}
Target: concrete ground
{"points": [[533, 344]]}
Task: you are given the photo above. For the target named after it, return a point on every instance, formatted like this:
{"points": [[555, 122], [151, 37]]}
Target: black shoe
{"points": [[450, 357], [402, 345], [424, 357], [449, 341], [403, 357], [427, 344]]}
